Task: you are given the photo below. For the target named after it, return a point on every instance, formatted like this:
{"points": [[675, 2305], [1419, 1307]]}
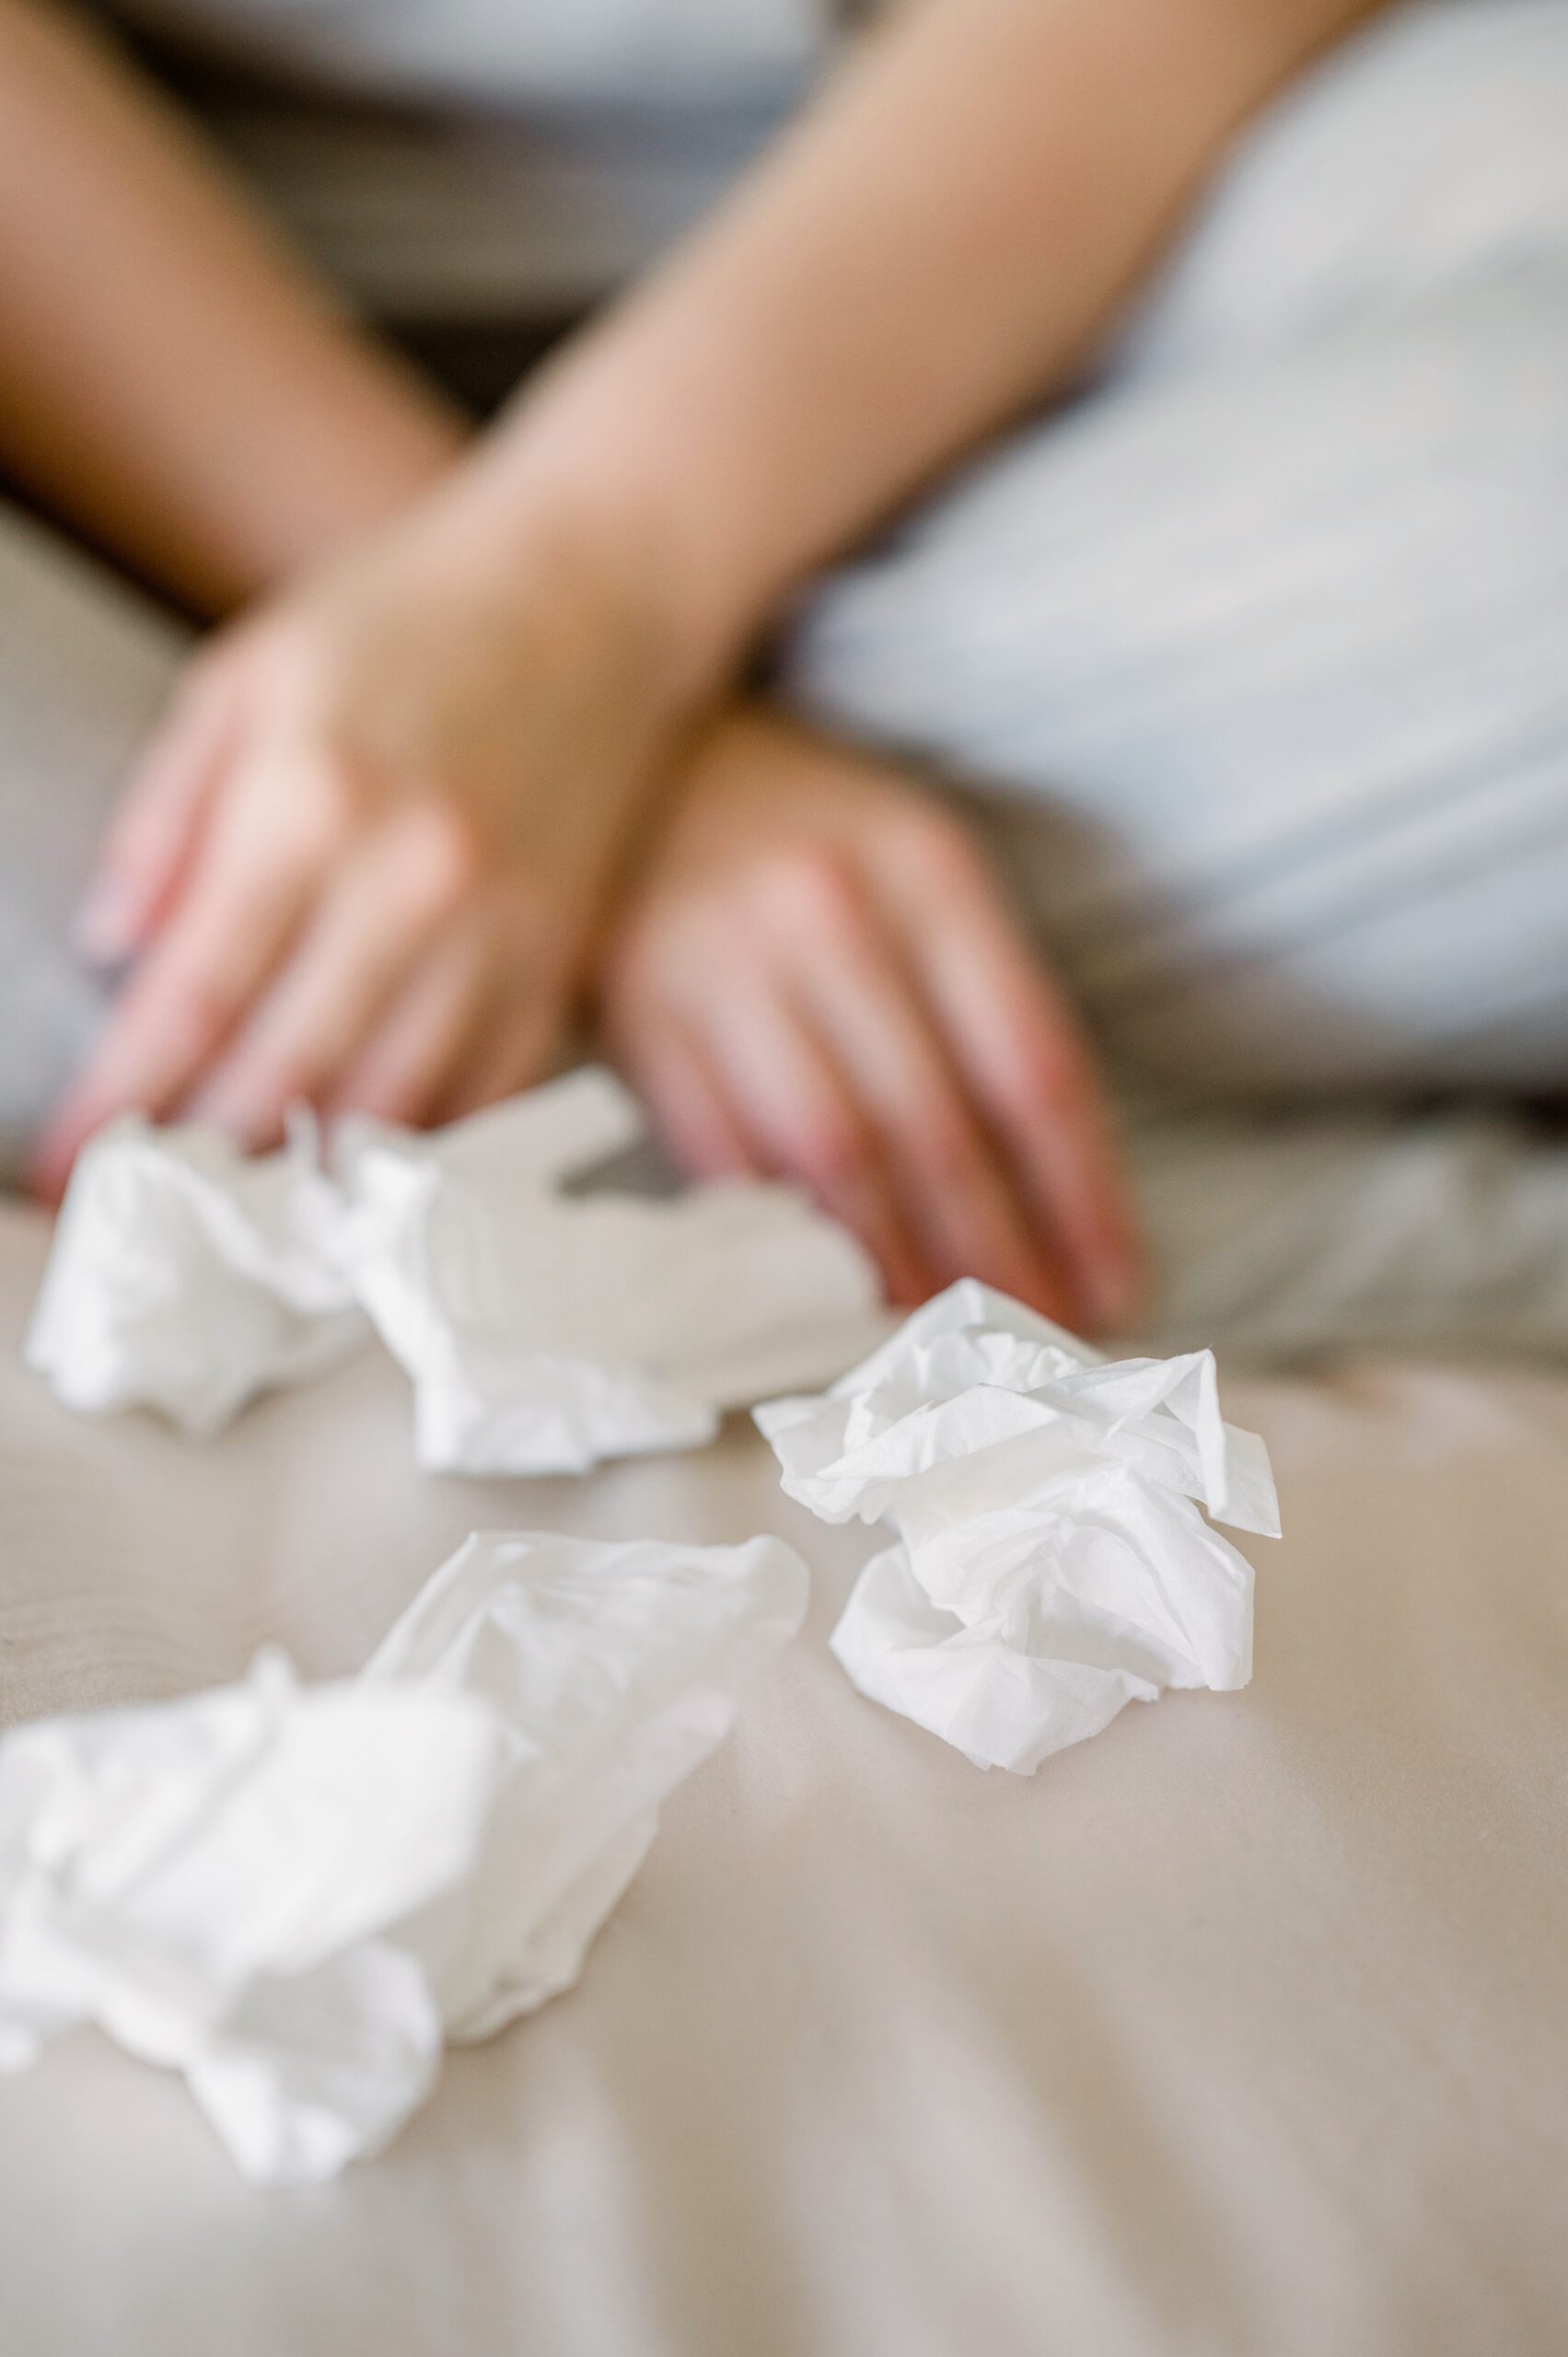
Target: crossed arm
{"points": [[370, 857]]}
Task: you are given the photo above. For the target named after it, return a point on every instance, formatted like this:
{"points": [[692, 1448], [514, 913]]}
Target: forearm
{"points": [[935, 247], [170, 379]]}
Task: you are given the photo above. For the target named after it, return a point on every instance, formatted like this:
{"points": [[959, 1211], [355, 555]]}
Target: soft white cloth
{"points": [[543, 1330], [187, 1278], [1051, 1564], [293, 1894]]}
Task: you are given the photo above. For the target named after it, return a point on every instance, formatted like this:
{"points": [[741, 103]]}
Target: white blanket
{"points": [[1237, 2030]]}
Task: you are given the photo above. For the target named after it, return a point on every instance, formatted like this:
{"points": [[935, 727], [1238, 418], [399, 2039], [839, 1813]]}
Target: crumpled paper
{"points": [[188, 1278], [293, 1894], [1051, 1564], [544, 1328]]}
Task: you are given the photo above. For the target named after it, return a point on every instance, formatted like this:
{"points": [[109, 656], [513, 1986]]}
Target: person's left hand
{"points": [[360, 865], [815, 976]]}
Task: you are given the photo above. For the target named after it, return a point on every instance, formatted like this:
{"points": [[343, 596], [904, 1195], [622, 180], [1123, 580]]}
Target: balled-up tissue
{"points": [[293, 1894], [546, 1329], [188, 1277], [544, 1325], [1051, 1564]]}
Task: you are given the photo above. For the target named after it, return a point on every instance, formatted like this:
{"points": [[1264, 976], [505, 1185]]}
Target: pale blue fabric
{"points": [[1260, 650]]}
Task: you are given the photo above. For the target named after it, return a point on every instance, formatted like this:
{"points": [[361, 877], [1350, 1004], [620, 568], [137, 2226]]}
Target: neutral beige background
{"points": [[1240, 2030]]}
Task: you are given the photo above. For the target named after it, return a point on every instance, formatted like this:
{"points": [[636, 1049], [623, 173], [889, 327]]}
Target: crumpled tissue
{"points": [[293, 1894], [188, 1277], [544, 1328], [1050, 1564]]}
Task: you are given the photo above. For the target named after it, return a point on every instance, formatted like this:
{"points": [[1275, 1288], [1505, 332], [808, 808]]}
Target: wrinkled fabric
{"points": [[1236, 2030], [293, 1894], [1050, 1564]]}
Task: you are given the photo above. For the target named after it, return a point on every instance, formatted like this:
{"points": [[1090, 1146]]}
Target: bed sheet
{"points": [[1239, 2031]]}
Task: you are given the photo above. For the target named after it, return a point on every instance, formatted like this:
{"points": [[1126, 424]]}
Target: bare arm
{"points": [[934, 247], [169, 380], [369, 864]]}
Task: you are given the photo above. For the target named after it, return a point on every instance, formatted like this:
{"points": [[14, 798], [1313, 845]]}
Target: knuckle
{"points": [[329, 805], [699, 942], [677, 949], [933, 846], [803, 888], [443, 852]]}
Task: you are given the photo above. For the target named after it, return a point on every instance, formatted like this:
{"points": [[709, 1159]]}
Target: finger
{"points": [[669, 1070], [150, 843], [519, 1038], [952, 1183], [801, 1119], [369, 931], [243, 907], [406, 1066], [1020, 1049]]}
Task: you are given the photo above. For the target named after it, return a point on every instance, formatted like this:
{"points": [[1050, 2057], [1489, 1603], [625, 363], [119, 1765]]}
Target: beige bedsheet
{"points": [[1243, 2029]]}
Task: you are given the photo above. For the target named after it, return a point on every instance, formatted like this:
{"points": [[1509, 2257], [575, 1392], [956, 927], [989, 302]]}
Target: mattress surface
{"points": [[1239, 2031]]}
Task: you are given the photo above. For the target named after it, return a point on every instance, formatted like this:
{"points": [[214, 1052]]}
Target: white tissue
{"points": [[293, 1894], [1051, 1564], [188, 1278], [544, 1328]]}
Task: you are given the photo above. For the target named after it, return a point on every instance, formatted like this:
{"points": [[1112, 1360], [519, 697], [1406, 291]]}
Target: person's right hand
{"points": [[816, 976]]}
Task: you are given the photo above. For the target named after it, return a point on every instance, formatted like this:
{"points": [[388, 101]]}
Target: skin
{"points": [[880, 1029], [471, 766], [171, 380]]}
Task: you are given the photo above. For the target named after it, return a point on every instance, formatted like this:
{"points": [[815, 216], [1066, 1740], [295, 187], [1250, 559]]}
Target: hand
{"points": [[816, 976], [360, 863]]}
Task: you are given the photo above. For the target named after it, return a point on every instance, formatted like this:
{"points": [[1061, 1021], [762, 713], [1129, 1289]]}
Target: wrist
{"points": [[592, 480]]}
